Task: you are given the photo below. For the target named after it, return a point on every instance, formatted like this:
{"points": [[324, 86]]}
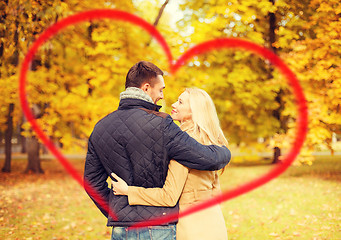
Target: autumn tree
{"points": [[77, 75], [258, 104], [82, 71], [238, 81], [10, 49], [313, 52]]}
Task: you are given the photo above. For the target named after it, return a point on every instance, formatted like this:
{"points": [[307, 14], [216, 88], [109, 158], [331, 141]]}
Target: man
{"points": [[136, 142]]}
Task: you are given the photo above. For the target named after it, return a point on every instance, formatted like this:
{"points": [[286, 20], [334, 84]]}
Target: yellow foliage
{"points": [[82, 69]]}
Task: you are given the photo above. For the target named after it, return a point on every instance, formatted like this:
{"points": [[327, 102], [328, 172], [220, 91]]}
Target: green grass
{"points": [[303, 203]]}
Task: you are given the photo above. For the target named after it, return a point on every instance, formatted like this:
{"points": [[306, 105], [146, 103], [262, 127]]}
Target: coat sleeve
{"points": [[96, 178], [168, 195], [187, 151]]}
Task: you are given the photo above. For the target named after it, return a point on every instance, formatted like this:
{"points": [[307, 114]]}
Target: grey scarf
{"points": [[136, 93]]}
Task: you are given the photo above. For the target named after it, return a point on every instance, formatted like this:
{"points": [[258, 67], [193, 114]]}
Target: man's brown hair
{"points": [[142, 72]]}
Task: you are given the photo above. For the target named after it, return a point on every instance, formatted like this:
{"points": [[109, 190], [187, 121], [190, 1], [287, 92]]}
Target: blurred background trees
{"points": [[76, 77]]}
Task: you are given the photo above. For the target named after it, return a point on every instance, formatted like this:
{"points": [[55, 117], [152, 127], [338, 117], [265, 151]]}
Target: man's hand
{"points": [[120, 187]]}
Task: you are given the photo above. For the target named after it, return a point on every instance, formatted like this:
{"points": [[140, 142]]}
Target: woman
{"points": [[197, 115]]}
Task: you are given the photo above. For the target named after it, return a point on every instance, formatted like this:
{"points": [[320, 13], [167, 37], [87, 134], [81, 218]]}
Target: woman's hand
{"points": [[120, 187]]}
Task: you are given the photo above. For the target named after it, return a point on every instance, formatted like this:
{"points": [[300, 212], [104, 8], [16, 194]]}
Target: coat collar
{"points": [[134, 97], [129, 103]]}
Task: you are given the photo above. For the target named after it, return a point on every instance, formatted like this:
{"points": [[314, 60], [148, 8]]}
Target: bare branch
{"points": [[159, 16], [160, 13]]}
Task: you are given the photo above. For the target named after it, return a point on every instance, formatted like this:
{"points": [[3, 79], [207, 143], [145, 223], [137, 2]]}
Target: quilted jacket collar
{"points": [[129, 103], [134, 97]]}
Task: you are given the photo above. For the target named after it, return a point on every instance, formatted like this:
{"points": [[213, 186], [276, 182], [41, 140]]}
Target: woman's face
{"points": [[181, 109]]}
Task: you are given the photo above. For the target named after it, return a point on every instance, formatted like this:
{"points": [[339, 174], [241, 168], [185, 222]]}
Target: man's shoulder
{"points": [[107, 117], [156, 113]]}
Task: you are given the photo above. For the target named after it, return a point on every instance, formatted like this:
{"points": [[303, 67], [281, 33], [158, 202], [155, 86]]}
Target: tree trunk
{"points": [[23, 144], [276, 113], [23, 138], [277, 154], [14, 60], [32, 147], [8, 139], [272, 27], [33, 165]]}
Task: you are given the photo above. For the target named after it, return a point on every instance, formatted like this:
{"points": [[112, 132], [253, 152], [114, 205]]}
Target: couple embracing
{"points": [[159, 168]]}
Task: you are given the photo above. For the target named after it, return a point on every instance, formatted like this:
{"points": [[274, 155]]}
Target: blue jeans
{"points": [[149, 233]]}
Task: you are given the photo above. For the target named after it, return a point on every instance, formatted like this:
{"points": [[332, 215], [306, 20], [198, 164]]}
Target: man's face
{"points": [[155, 92]]}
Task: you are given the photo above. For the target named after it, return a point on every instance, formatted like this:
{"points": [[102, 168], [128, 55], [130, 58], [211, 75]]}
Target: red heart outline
{"points": [[223, 43]]}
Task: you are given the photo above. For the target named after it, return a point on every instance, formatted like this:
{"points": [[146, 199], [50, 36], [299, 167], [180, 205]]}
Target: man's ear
{"points": [[145, 87]]}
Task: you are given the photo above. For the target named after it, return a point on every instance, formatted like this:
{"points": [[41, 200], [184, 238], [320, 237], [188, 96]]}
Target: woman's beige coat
{"points": [[192, 186]]}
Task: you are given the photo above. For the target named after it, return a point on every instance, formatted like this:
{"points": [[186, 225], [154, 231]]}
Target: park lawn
{"points": [[303, 203]]}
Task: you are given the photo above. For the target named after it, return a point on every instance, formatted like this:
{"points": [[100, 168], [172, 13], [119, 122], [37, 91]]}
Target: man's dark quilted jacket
{"points": [[136, 142]]}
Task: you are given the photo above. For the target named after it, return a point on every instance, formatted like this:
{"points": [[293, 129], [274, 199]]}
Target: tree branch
{"points": [[160, 13], [159, 16]]}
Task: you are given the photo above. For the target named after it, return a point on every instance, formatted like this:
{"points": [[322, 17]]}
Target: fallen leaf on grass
{"points": [[273, 234], [292, 212]]}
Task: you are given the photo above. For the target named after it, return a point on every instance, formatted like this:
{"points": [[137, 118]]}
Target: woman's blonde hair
{"points": [[205, 126]]}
